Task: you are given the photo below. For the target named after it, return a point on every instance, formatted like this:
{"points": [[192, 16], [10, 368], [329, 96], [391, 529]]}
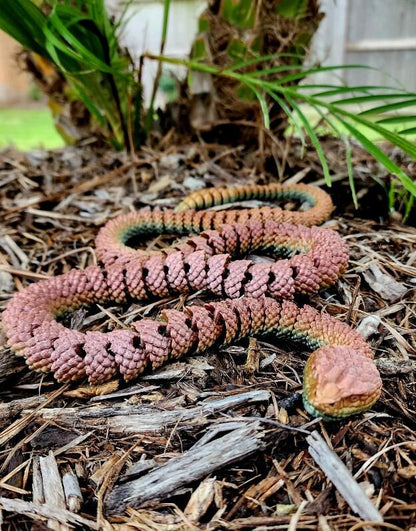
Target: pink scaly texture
{"points": [[190, 267], [259, 303]]}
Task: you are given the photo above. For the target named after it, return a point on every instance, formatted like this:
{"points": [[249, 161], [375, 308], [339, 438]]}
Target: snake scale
{"points": [[340, 376]]}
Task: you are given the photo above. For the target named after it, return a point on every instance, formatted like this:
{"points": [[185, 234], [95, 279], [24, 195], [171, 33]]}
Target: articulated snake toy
{"points": [[340, 377]]}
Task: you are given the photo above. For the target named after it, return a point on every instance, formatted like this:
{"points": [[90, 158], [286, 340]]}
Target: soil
{"points": [[68, 451]]}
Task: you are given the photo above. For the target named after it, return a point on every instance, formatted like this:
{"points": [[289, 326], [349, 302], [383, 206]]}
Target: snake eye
{"points": [[339, 381]]}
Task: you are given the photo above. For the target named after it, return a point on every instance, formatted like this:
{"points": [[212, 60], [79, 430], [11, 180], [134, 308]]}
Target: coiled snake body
{"points": [[340, 376]]}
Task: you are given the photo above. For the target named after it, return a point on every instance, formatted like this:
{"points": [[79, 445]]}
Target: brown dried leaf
{"points": [[200, 500], [407, 472], [386, 286]]}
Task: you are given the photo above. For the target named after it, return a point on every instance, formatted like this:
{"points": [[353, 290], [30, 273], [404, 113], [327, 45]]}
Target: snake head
{"points": [[339, 381]]}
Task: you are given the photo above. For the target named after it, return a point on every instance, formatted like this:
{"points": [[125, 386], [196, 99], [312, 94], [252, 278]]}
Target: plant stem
{"points": [[150, 111]]}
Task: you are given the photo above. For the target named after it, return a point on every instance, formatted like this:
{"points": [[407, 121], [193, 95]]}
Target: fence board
{"points": [[376, 33]]}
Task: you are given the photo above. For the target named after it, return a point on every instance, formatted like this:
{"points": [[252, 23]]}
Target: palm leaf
{"points": [[380, 109], [409, 131], [290, 114], [289, 96], [373, 97], [399, 119], [263, 105], [24, 22], [315, 70], [314, 139], [379, 155]]}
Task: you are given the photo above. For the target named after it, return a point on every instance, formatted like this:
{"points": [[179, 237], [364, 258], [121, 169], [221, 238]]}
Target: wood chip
{"points": [[189, 467], [152, 420], [52, 488], [342, 479], [46, 512], [385, 285], [200, 500], [72, 490]]}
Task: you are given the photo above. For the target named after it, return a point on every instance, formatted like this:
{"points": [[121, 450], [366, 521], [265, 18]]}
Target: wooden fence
{"points": [[376, 33]]}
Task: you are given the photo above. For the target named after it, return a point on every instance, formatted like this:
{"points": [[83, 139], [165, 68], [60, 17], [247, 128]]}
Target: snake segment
{"points": [[340, 376], [190, 216]]}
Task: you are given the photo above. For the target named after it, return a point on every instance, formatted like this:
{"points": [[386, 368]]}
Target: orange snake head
{"points": [[339, 381]]}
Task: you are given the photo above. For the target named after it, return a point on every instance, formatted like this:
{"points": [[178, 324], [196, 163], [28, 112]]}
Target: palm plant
{"points": [[235, 31], [80, 41], [253, 55], [331, 102]]}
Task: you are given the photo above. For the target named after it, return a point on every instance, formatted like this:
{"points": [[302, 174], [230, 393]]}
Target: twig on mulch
{"points": [[340, 476], [118, 419], [45, 513]]}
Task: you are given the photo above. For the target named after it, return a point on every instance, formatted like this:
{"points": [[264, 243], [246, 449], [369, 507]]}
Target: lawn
{"points": [[28, 129]]}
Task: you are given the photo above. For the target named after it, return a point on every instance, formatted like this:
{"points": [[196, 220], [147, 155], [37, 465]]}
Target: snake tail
{"points": [[112, 239]]}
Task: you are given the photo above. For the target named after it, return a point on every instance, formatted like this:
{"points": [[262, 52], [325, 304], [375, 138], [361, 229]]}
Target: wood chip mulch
{"points": [[214, 442]]}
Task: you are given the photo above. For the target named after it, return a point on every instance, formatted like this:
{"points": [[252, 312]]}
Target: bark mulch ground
{"points": [[219, 441]]}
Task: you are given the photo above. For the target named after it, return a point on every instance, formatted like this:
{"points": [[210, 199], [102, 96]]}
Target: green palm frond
{"points": [[333, 103], [82, 43]]}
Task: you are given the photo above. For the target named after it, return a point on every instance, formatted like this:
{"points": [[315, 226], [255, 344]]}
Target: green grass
{"points": [[27, 129]]}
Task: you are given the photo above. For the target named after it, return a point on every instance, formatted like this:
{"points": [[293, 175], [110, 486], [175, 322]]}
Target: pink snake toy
{"points": [[340, 376]]}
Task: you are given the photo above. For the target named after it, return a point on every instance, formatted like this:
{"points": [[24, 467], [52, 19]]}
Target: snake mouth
{"points": [[340, 381]]}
